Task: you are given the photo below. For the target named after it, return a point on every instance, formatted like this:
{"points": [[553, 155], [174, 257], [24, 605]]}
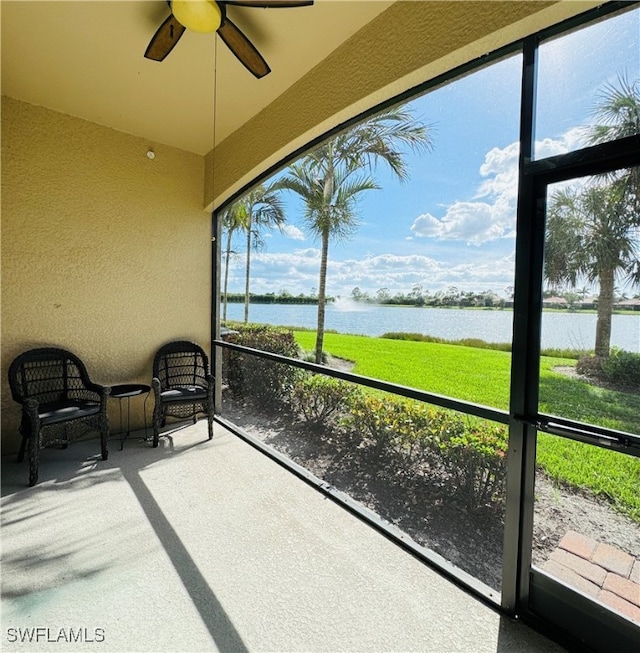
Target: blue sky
{"points": [[453, 223]]}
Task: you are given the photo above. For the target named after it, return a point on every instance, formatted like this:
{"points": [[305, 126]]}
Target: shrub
{"points": [[464, 342], [372, 418], [476, 461], [471, 454], [590, 366], [391, 425], [264, 382], [424, 428], [556, 352], [310, 356], [622, 368], [319, 399]]}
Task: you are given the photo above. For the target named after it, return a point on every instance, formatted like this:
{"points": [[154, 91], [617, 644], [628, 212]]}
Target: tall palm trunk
{"points": [[322, 296], [226, 274], [247, 272], [605, 309]]}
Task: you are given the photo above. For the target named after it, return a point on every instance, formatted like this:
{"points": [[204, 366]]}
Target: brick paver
{"points": [[570, 577], [623, 587], [595, 573], [613, 559], [600, 570], [578, 544], [629, 610]]}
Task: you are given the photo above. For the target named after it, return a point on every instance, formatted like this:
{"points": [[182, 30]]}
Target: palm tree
{"points": [[262, 209], [329, 213], [617, 115], [330, 178], [594, 232], [233, 219], [590, 235]]}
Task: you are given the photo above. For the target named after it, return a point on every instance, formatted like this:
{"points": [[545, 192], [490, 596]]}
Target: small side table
{"points": [[126, 391]]}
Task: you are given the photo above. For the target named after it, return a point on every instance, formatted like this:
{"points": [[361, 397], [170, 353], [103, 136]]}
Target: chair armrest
{"points": [[99, 389], [102, 392], [155, 384], [105, 391], [30, 407]]}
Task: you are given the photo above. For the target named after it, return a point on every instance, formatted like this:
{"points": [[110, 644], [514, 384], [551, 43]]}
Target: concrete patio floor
{"points": [[211, 546]]}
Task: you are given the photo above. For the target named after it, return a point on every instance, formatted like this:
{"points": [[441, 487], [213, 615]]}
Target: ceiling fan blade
{"points": [[269, 4], [243, 49], [165, 39]]}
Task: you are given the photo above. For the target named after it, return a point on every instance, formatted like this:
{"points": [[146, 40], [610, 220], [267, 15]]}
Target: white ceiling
{"points": [[85, 58]]}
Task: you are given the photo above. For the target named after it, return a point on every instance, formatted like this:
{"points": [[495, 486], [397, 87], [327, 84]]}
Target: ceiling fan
{"points": [[211, 16]]}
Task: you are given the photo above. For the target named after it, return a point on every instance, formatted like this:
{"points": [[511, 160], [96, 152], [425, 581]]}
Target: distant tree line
{"points": [[452, 296], [272, 298]]}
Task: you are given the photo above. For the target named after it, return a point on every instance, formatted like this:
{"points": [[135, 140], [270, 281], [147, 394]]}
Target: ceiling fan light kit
{"points": [[204, 17], [210, 16]]}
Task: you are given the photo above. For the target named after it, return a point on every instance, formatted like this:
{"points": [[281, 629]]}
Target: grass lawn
{"points": [[482, 376]]}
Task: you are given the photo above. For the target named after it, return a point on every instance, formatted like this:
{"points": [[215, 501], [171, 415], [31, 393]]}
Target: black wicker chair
{"points": [[59, 402], [182, 385]]}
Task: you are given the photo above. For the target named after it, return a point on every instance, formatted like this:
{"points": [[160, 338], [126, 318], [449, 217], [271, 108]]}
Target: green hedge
{"points": [[466, 455], [320, 399], [265, 383], [469, 454], [620, 368]]}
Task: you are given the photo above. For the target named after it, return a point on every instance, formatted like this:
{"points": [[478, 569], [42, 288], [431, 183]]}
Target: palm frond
{"points": [[616, 113]]}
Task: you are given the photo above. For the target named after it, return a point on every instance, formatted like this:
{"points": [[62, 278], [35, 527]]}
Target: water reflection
{"points": [[561, 330]]}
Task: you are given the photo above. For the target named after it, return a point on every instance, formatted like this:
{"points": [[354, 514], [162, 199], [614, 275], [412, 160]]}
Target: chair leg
{"points": [[24, 432], [23, 446], [156, 430], [157, 419], [104, 439], [34, 454], [210, 424]]}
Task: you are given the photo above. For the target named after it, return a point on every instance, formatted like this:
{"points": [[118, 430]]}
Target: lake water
{"points": [[562, 330]]}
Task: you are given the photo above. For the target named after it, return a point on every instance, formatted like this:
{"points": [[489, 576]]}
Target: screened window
{"points": [[581, 73]]}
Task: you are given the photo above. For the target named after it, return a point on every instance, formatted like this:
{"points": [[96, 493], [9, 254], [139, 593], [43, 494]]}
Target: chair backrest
{"points": [[46, 374], [181, 363]]}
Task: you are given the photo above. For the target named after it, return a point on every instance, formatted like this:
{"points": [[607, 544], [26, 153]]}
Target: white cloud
{"points": [[570, 140], [298, 273], [487, 215], [491, 213], [473, 222], [500, 165], [291, 231]]}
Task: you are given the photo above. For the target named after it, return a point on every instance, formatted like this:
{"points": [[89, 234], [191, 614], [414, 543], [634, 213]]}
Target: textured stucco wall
{"points": [[104, 252], [408, 44]]}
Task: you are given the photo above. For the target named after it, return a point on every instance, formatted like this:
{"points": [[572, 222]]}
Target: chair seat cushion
{"points": [[184, 393], [66, 409]]}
